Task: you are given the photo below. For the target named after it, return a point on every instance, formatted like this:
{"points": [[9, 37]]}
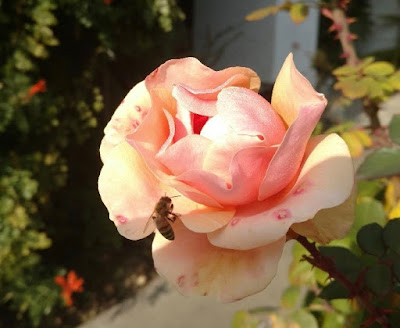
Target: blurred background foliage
{"points": [[61, 63]]}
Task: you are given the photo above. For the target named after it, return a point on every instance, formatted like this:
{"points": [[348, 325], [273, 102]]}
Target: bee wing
{"points": [[148, 222]]}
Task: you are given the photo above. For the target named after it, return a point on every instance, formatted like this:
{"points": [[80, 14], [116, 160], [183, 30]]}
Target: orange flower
{"points": [[39, 86], [72, 284]]}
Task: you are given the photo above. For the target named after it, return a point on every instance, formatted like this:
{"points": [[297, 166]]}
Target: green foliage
{"points": [[56, 62], [384, 162], [290, 297], [394, 129], [370, 239]]}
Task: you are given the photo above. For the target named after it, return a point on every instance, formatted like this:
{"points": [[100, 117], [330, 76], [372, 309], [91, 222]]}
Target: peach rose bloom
{"points": [[246, 171]]}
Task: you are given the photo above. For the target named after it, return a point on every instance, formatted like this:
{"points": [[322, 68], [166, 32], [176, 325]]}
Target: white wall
{"points": [[261, 45]]}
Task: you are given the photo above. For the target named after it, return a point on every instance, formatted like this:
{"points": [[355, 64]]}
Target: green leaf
{"points": [[301, 273], [262, 13], [369, 188], [343, 306], [242, 319], [335, 290], [304, 319], [394, 129], [368, 211], [290, 297], [384, 162], [333, 320], [370, 239], [298, 13], [345, 261], [379, 68], [396, 269], [378, 279], [391, 235], [394, 80]]}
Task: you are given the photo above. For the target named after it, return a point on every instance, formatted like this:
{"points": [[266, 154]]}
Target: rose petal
{"points": [[249, 113], [129, 191], [203, 101], [247, 170], [186, 154], [317, 187], [329, 224], [126, 118], [193, 74], [292, 91], [286, 162], [216, 128], [221, 152], [194, 266]]}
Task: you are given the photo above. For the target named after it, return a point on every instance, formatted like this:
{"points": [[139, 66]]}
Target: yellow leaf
{"points": [[262, 13], [364, 138], [352, 88], [394, 80], [298, 12], [392, 194], [355, 146], [345, 70], [395, 212], [379, 68]]}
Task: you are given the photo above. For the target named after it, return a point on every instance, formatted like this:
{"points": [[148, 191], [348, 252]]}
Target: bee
{"points": [[161, 216]]}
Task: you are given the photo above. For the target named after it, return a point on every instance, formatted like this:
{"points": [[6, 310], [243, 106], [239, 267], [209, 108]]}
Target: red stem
{"points": [[356, 290]]}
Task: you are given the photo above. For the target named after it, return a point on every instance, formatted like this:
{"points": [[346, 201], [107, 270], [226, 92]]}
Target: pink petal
{"points": [[203, 101], [126, 118], [129, 191], [285, 164], [186, 154], [193, 74], [329, 224], [221, 152], [194, 266], [247, 170], [292, 92], [326, 180], [246, 112], [216, 128]]}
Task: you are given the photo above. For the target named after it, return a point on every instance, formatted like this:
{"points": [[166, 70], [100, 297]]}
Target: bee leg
{"points": [[172, 217]]}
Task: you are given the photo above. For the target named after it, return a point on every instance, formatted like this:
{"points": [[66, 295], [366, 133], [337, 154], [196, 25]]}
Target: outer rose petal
{"points": [[293, 91], [317, 187], [329, 224], [193, 74], [285, 164], [126, 118], [194, 266], [130, 191]]}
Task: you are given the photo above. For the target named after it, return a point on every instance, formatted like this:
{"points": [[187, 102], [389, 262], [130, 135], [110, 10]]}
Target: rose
{"points": [[245, 172]]}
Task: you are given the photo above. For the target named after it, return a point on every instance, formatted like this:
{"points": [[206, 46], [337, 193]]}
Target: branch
{"points": [[356, 290]]}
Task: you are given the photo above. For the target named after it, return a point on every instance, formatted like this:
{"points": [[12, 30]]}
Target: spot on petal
{"points": [[121, 219], [282, 214], [195, 282], [235, 222], [123, 100], [301, 189], [138, 109], [181, 281]]}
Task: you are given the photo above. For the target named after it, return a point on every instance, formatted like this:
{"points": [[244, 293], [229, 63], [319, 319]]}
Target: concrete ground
{"points": [[160, 306]]}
